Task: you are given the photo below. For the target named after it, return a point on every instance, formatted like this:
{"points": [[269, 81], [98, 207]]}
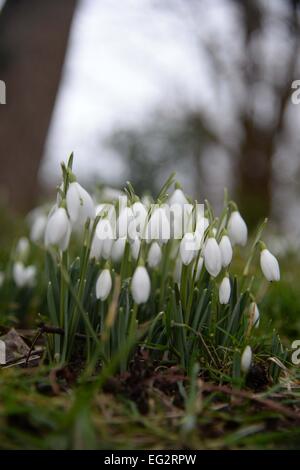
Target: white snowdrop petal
{"points": [[154, 255], [224, 291], [237, 229], [80, 204], [269, 266], [226, 251], [212, 257], [103, 285], [58, 229], [246, 359], [140, 285]]}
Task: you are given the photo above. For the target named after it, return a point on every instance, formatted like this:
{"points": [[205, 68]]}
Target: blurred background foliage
{"points": [[200, 87]]}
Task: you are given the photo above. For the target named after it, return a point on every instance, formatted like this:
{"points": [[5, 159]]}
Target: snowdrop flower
{"points": [[22, 248], [96, 247], [199, 268], [158, 227], [103, 285], [188, 248], [226, 251], [154, 255], [178, 197], [255, 315], [269, 265], [118, 249], [80, 204], [212, 257], [24, 276], [103, 240], [246, 359], [58, 229], [237, 229], [38, 227], [224, 291], [135, 248], [126, 224], [140, 285], [140, 215]]}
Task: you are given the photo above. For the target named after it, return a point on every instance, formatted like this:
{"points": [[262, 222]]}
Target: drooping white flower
{"points": [[158, 227], [24, 276], [103, 285], [254, 312], [178, 197], [246, 359], [269, 265], [224, 291], [58, 229], [212, 257], [103, 240], [140, 285], [135, 248], [199, 268], [118, 249], [126, 225], [37, 231], [188, 248], [79, 204], [22, 248], [226, 251], [154, 255], [140, 215], [237, 229]]}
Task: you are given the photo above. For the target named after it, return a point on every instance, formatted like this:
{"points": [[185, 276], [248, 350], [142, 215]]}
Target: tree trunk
{"points": [[33, 40]]}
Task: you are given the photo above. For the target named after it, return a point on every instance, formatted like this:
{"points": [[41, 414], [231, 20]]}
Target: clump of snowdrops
{"points": [[134, 272]]}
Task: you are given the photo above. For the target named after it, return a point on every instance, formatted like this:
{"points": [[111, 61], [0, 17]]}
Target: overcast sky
{"points": [[124, 60]]}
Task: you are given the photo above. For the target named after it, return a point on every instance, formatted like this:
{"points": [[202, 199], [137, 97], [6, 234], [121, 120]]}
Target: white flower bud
{"points": [[24, 276], [154, 255], [188, 248], [38, 227], [269, 266], [118, 249], [135, 248], [140, 285], [126, 226], [178, 197], [226, 251], [103, 285], [212, 257], [237, 229], [58, 229], [224, 291], [246, 359], [140, 215], [80, 204], [254, 312], [22, 248]]}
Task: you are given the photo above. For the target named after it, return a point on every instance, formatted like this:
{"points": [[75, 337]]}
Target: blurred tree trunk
{"points": [[254, 169], [33, 40]]}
